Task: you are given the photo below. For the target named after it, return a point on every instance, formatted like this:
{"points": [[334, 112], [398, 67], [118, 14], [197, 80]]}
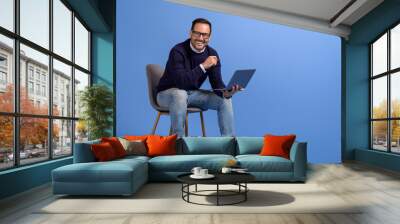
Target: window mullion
{"points": [[389, 101], [50, 87], [16, 83], [370, 98], [73, 82]]}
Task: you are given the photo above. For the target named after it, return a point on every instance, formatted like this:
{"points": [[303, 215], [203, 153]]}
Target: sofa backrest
{"points": [[206, 145], [83, 152], [249, 145]]}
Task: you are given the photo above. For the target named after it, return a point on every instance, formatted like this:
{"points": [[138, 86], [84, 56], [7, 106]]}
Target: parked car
{"points": [[22, 155]]}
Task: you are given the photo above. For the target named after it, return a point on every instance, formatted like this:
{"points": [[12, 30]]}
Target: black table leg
{"points": [[217, 194], [245, 193], [188, 190]]}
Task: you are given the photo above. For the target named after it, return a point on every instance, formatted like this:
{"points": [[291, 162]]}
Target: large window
{"points": [[385, 91], [44, 64]]}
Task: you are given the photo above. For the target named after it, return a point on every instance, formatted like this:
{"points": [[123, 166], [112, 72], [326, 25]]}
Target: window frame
{"points": [[16, 114], [388, 74]]}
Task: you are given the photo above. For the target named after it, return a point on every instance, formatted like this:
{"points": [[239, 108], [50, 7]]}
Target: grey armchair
{"points": [[154, 73]]}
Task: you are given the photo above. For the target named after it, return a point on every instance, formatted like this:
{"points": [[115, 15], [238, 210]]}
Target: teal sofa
{"points": [[125, 176]]}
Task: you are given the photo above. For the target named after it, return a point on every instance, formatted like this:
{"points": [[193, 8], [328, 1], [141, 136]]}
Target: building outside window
{"points": [[37, 75], [38, 89], [3, 72], [3, 61], [30, 87], [43, 90], [3, 78], [30, 72], [44, 77]]}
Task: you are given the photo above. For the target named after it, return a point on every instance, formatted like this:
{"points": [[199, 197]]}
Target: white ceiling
{"points": [[326, 16]]}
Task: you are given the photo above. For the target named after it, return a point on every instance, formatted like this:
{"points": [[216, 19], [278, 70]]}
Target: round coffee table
{"points": [[238, 179]]}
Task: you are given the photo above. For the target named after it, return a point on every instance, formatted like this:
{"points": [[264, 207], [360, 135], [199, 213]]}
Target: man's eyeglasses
{"points": [[198, 34]]}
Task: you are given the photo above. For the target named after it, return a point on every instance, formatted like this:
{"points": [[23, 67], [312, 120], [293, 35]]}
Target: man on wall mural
{"points": [[189, 64]]}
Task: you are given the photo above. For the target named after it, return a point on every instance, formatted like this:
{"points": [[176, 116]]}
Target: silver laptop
{"points": [[241, 78]]}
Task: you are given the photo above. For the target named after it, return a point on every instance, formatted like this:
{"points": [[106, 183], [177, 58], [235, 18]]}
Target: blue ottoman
{"points": [[118, 177]]}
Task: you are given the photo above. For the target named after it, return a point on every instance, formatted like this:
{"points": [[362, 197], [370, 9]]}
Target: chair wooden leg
{"points": [[203, 129], [186, 125], [155, 124]]}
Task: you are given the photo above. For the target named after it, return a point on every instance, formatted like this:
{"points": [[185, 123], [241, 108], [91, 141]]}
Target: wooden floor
{"points": [[377, 188]]}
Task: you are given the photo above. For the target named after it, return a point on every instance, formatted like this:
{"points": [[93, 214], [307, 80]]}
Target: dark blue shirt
{"points": [[183, 69]]}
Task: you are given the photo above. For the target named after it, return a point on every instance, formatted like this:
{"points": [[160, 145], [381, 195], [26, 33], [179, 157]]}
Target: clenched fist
{"points": [[210, 61]]}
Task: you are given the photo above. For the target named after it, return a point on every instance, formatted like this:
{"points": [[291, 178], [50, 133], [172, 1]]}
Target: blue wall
{"points": [[296, 89], [357, 85]]}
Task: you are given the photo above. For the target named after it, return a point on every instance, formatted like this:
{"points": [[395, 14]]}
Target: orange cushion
{"points": [[277, 145], [134, 138], [103, 151], [116, 145], [161, 145]]}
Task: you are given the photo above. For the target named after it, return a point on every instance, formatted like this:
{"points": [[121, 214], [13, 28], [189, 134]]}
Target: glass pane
{"points": [[379, 97], [62, 138], [62, 29], [395, 47], [35, 21], [62, 89], [81, 131], [6, 74], [395, 136], [6, 142], [81, 45], [7, 14], [395, 94], [81, 81], [379, 135], [379, 55], [34, 82], [33, 139]]}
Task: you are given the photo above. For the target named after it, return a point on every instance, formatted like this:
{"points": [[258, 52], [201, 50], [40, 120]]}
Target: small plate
{"points": [[208, 176]]}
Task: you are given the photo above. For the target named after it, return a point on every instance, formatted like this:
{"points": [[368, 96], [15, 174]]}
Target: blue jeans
{"points": [[178, 100]]}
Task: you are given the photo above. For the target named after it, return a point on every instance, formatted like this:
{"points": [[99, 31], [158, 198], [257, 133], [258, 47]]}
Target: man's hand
{"points": [[235, 89], [210, 61]]}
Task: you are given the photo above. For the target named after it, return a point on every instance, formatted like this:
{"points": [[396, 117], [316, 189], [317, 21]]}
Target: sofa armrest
{"points": [[83, 152], [298, 155]]}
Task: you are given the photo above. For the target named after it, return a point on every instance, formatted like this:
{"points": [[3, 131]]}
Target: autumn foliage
{"points": [[33, 131], [380, 127]]}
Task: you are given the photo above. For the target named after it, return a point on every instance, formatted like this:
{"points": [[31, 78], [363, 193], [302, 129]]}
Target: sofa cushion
{"points": [[161, 145], [103, 151], [277, 145], [249, 145], [116, 145], [111, 171], [207, 145], [131, 158], [257, 163], [185, 163], [134, 147]]}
